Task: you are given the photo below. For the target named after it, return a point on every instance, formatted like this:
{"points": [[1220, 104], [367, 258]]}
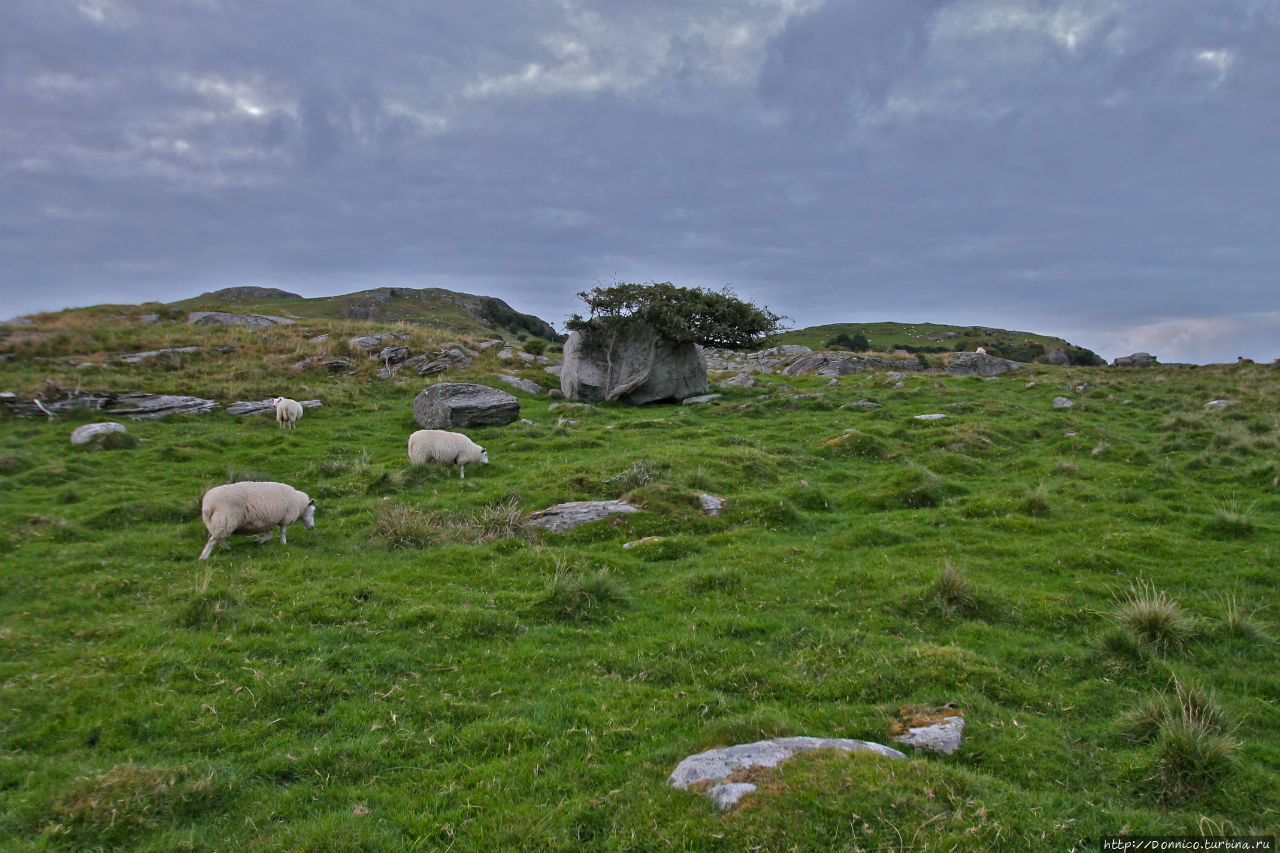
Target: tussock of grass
{"points": [[1155, 619], [1243, 624], [951, 593], [585, 598], [1230, 520], [400, 526]]}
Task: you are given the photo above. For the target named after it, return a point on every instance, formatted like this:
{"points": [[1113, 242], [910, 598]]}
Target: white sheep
{"points": [[287, 411], [445, 448], [981, 351], [253, 507]]}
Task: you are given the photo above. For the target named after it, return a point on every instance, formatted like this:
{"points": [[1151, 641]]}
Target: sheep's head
{"points": [[484, 456], [309, 515]]}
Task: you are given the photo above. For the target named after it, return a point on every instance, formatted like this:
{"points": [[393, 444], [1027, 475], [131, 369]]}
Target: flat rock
{"points": [[447, 405], [223, 318], [257, 407], [135, 357], [88, 432], [526, 385], [369, 344], [865, 404], [567, 516], [929, 417], [1137, 359], [711, 504], [701, 398], [1221, 404], [1062, 403], [742, 380], [943, 737], [715, 766]]}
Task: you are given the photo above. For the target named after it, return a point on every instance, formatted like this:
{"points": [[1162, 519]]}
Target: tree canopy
{"points": [[679, 314]]}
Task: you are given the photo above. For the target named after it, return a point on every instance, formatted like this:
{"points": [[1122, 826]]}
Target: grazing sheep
{"points": [[445, 448], [253, 507], [287, 412], [981, 351]]}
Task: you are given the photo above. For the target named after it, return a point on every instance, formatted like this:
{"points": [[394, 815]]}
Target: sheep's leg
{"points": [[462, 475], [264, 538], [283, 528], [208, 548]]}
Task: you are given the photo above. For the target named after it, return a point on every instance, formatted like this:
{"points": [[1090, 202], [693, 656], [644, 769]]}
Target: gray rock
{"points": [[223, 318], [711, 504], [742, 380], [1062, 403], [425, 365], [1137, 359], [555, 394], [554, 369], [980, 364], [147, 406], [135, 357], [318, 339], [487, 344], [88, 432], [943, 737], [634, 365], [447, 405], [701, 398], [865, 404], [148, 318], [716, 766], [257, 407], [369, 344], [835, 364], [393, 355], [567, 516], [1221, 404], [929, 417], [526, 385], [1058, 357]]}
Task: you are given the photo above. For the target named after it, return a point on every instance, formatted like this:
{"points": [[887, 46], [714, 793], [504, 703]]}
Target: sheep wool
{"points": [[445, 448], [253, 507], [287, 412]]}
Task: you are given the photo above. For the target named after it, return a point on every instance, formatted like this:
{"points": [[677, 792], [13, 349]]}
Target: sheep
{"points": [[253, 507], [446, 448], [981, 351], [287, 411]]}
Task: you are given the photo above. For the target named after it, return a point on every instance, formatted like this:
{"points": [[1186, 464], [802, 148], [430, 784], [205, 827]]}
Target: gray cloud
{"points": [[1104, 167]]}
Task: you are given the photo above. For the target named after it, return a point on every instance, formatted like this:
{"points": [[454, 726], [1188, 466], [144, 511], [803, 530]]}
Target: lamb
{"points": [[253, 507], [446, 448], [287, 412]]}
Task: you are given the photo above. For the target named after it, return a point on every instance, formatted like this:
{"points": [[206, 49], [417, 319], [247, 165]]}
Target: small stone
{"points": [[1062, 403], [943, 737], [711, 504], [636, 542], [1221, 404], [88, 432], [929, 417], [701, 398]]}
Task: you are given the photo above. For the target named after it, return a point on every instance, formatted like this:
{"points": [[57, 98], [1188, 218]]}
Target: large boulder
{"points": [[980, 364], [634, 364], [1137, 359], [447, 405], [88, 432]]}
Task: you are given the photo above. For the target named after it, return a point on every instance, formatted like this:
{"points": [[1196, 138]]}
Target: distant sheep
{"points": [[253, 507], [980, 351], [287, 412], [445, 448]]}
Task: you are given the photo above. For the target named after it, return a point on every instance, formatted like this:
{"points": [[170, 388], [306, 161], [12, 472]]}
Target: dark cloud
{"points": [[1100, 167]]}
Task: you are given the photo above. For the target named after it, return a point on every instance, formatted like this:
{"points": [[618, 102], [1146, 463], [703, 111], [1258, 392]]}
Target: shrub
{"points": [[535, 346], [679, 314]]}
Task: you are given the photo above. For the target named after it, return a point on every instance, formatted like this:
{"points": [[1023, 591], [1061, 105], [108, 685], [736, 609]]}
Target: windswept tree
{"points": [[713, 318], [637, 342]]}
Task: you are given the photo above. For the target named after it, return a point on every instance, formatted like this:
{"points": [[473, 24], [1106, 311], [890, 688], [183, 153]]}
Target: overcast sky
{"points": [[1104, 170]]}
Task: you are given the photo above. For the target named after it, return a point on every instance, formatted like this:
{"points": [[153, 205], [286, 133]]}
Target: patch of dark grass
{"points": [[113, 804], [1230, 520], [115, 441], [211, 610], [857, 444], [717, 580]]}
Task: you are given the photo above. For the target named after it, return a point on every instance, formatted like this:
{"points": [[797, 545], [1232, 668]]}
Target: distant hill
{"points": [[936, 338], [463, 313]]}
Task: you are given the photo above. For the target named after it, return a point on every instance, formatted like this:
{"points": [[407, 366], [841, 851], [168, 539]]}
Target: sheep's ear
{"points": [[311, 502]]}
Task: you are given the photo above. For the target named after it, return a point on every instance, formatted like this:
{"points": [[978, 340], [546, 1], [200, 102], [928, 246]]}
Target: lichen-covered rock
{"points": [[567, 516], [448, 405], [1062, 402], [1137, 359], [943, 737], [526, 385], [714, 769]]}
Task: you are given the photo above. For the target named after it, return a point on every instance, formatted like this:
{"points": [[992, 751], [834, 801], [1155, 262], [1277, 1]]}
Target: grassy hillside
{"points": [[1093, 587], [933, 337]]}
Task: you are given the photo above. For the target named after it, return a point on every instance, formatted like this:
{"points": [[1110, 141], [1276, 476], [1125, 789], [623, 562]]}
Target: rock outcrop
{"points": [[567, 516], [1137, 359], [980, 364], [223, 318]]}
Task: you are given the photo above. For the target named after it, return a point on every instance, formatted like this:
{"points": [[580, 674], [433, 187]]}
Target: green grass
{"points": [[424, 672]]}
